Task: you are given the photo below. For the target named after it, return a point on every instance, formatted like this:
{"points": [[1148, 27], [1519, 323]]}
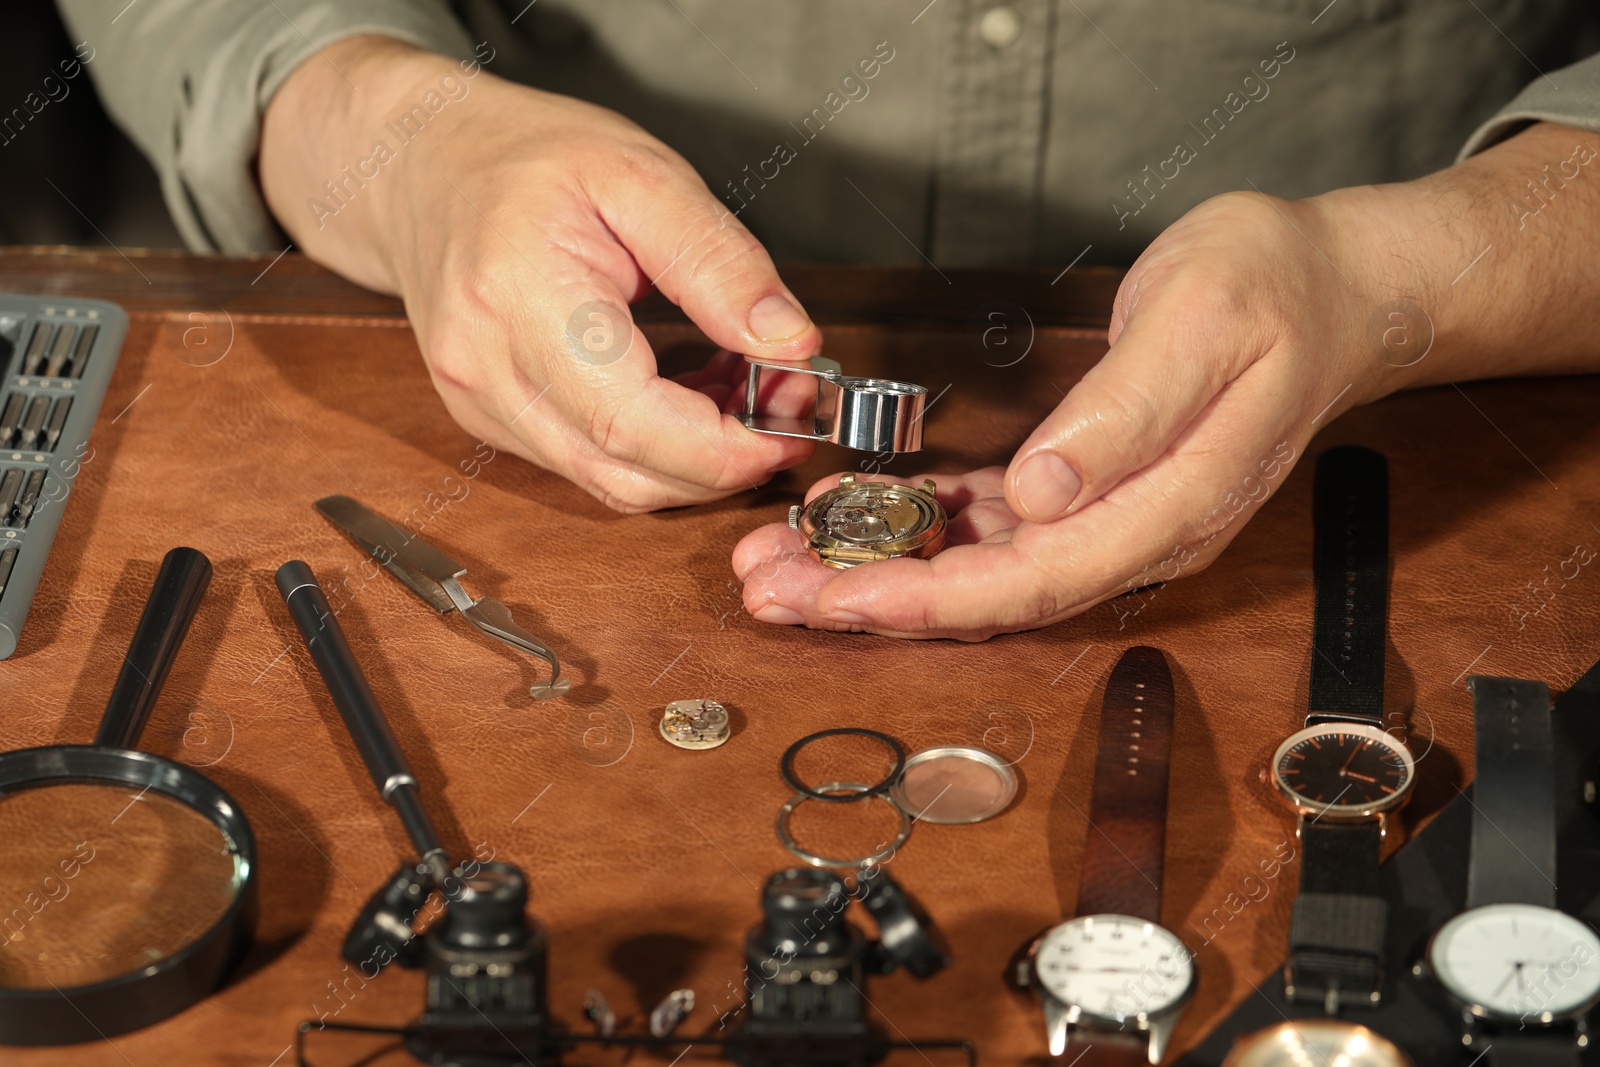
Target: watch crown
{"points": [[794, 516], [928, 486]]}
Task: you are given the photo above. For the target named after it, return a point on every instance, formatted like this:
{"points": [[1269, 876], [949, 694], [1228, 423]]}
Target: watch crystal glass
{"points": [[1114, 967], [1344, 769], [1518, 962]]}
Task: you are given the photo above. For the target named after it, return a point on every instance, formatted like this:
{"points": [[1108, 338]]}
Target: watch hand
{"points": [[1110, 970], [1361, 777], [1344, 772], [1516, 972]]}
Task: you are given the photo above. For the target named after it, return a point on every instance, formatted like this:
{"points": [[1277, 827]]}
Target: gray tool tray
{"points": [[56, 358]]}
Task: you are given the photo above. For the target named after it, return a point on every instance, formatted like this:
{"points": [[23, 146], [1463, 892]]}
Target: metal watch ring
{"points": [[859, 790], [786, 765]]}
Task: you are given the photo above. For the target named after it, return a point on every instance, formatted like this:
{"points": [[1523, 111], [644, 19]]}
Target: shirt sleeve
{"points": [[189, 80], [1570, 96]]}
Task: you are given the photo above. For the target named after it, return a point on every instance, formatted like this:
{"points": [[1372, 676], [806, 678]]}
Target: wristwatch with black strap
{"points": [[1113, 981], [1523, 974], [1343, 774]]}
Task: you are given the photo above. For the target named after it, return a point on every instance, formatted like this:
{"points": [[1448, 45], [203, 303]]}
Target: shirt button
{"points": [[999, 27]]}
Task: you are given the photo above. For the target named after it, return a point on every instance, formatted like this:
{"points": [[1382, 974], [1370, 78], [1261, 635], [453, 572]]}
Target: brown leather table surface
{"points": [[238, 403]]}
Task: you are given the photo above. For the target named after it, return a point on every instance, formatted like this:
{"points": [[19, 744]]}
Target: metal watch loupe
{"points": [[869, 414]]}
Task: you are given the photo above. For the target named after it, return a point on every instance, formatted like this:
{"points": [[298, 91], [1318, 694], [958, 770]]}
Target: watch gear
{"points": [[858, 522], [695, 724]]}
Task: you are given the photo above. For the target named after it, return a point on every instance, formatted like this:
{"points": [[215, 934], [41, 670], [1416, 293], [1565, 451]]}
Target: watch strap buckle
{"points": [[1336, 949]]}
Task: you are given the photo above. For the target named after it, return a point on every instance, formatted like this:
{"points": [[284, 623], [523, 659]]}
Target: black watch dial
{"points": [[1344, 769]]}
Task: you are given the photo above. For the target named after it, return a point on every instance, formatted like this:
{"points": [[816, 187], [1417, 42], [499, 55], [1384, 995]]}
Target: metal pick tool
{"points": [[695, 724], [870, 414], [432, 575]]}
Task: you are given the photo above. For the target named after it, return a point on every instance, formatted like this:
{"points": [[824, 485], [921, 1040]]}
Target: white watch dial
{"points": [[1518, 961], [1114, 967]]}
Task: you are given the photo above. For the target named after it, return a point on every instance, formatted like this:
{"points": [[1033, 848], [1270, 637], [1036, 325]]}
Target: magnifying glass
{"points": [[129, 882], [870, 414]]}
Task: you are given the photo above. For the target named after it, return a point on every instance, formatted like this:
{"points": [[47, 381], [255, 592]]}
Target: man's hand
{"points": [[518, 226], [1242, 330]]}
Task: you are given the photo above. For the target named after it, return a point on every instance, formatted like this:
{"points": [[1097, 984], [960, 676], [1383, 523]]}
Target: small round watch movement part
{"points": [[859, 522], [695, 724], [838, 795], [831, 791]]}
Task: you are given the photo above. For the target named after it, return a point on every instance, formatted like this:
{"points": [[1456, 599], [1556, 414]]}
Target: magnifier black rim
{"points": [[31, 768], [786, 765]]}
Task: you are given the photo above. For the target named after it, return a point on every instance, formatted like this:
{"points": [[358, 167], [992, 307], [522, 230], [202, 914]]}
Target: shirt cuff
{"points": [[1570, 96], [216, 68]]}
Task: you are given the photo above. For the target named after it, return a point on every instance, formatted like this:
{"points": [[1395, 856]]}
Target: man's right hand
{"points": [[518, 226]]}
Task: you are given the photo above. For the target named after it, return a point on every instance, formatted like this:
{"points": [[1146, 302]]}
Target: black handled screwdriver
{"points": [[368, 726]]}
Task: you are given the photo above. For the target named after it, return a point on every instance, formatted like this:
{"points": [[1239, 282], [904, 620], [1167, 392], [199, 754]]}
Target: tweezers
{"points": [[432, 575]]}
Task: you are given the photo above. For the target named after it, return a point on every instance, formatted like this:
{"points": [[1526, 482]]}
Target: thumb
{"points": [[696, 251], [1167, 364]]}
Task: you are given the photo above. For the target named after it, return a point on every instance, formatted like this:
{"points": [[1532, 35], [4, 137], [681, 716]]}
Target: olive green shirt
{"points": [[957, 132]]}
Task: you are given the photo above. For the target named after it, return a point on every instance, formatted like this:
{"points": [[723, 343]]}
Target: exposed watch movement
{"points": [[858, 522]]}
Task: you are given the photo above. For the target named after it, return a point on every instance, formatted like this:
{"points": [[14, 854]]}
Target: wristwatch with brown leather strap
{"points": [[1113, 981]]}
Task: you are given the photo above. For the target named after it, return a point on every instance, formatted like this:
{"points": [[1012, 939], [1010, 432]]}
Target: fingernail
{"points": [[848, 618], [1047, 486], [777, 613], [774, 318]]}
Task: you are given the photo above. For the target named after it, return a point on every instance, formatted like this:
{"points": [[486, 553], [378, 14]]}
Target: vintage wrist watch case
{"points": [[1313, 1042], [1522, 973], [1113, 975], [1343, 774], [858, 522]]}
